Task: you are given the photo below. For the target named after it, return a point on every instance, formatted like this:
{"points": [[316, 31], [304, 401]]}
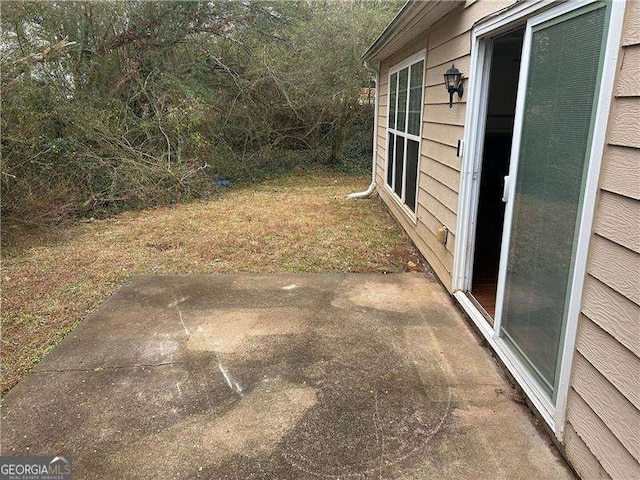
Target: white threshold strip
{"points": [[526, 381]]}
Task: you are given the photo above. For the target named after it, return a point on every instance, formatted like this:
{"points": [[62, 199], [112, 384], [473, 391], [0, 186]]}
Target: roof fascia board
{"points": [[411, 14]]}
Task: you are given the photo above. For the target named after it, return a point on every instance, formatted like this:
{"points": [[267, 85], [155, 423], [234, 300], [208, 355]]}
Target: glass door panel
{"points": [[561, 95]]}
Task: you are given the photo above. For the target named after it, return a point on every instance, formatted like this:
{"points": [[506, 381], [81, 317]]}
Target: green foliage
{"points": [[109, 106]]}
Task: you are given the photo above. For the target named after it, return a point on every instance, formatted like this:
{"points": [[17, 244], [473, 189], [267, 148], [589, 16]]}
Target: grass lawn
{"points": [[54, 277]]}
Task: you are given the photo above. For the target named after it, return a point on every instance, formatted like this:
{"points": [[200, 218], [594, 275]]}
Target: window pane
{"points": [[552, 165], [403, 78], [393, 90], [415, 97], [411, 175], [399, 166], [390, 151]]}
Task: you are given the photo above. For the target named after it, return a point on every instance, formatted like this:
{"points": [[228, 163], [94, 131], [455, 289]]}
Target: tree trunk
{"points": [[342, 133]]}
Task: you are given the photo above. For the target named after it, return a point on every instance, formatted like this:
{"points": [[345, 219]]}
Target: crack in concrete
{"points": [[110, 367]]}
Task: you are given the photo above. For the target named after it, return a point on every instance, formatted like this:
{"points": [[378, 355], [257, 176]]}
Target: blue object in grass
{"points": [[223, 182]]}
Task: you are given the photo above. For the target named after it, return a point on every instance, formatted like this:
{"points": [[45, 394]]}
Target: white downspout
{"points": [[367, 193]]}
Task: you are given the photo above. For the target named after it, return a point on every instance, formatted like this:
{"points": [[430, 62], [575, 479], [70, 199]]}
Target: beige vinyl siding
{"points": [[603, 412], [588, 382], [444, 134], [422, 232], [615, 362], [582, 458], [612, 312], [625, 121], [447, 41], [611, 454], [620, 173], [383, 112]]}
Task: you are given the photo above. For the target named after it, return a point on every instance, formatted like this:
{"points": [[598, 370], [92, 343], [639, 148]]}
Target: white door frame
{"points": [[532, 13]]}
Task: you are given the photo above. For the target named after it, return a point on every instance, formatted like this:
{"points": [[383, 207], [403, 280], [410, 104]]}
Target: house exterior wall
{"points": [[448, 41], [602, 433]]}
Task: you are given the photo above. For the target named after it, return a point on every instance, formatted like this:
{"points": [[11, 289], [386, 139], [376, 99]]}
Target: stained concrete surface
{"points": [[277, 376]]}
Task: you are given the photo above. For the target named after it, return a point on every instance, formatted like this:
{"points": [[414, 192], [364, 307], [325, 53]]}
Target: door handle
{"points": [[505, 189]]}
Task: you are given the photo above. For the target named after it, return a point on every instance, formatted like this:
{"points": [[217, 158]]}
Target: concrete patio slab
{"points": [[277, 376]]}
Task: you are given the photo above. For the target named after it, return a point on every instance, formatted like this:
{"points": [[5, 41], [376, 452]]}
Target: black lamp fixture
{"points": [[453, 83]]}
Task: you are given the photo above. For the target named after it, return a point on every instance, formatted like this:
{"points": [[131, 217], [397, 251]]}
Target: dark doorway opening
{"points": [[506, 52]]}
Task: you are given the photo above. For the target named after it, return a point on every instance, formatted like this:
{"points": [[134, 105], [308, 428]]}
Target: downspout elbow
{"points": [[366, 194], [375, 73]]}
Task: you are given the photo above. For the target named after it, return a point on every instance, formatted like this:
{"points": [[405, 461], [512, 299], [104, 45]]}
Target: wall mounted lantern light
{"points": [[453, 83]]}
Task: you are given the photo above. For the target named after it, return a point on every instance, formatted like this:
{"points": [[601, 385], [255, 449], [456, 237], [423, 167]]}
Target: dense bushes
{"points": [[108, 107], [63, 159]]}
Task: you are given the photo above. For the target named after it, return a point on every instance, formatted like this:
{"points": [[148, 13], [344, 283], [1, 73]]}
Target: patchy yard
{"points": [[53, 277]]}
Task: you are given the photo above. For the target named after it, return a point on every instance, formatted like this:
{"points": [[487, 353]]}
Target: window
{"points": [[405, 118]]}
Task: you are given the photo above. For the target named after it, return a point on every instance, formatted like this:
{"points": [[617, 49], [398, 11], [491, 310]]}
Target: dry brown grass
{"points": [[54, 277]]}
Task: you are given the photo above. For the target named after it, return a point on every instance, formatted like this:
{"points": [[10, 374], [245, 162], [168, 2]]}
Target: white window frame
{"points": [[407, 62], [523, 14]]}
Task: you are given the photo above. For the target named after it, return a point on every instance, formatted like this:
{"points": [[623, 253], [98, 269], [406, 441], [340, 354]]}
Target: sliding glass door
{"points": [[562, 65]]}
